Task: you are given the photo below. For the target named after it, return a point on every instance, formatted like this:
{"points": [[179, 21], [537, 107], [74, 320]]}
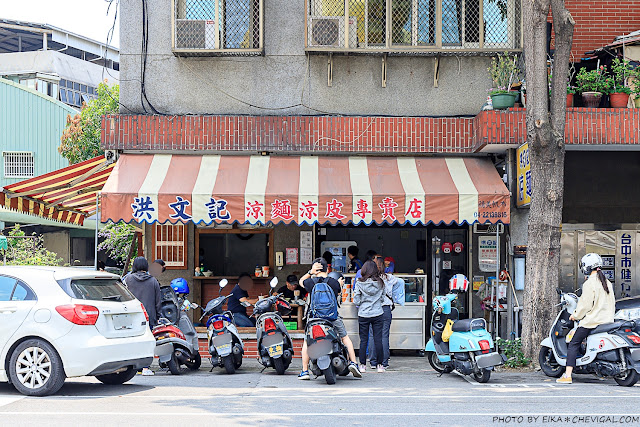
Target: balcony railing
{"points": [[217, 27], [414, 26]]}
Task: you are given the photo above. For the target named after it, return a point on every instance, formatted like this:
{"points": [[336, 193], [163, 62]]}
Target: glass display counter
{"points": [[408, 328]]}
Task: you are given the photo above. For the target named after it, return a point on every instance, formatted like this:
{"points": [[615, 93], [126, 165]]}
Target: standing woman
{"points": [[368, 295], [387, 303], [595, 307]]}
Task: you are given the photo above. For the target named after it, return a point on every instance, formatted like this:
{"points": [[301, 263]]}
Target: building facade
{"points": [[254, 84]]}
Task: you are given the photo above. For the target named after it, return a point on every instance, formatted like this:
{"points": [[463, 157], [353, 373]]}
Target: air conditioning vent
{"points": [[195, 34], [328, 31]]}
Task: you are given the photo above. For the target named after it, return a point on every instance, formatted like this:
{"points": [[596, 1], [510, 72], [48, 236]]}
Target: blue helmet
{"points": [[180, 286]]}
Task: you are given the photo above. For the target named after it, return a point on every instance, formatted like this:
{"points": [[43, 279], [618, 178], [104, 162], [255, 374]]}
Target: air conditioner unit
{"points": [[488, 228], [328, 31], [196, 34]]}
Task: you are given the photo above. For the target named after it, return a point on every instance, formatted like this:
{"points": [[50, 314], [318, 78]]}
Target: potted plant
{"points": [[503, 71], [592, 85], [621, 70], [571, 91]]}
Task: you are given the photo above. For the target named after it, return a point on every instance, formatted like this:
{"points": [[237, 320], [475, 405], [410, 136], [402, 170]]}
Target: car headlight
{"points": [[628, 314]]}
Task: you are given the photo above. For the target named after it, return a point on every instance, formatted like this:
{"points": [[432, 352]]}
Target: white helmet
{"points": [[590, 262]]}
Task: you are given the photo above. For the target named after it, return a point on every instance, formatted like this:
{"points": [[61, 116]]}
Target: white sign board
{"points": [[488, 253]]}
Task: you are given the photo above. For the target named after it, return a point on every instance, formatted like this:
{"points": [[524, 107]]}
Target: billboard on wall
{"points": [[523, 176]]}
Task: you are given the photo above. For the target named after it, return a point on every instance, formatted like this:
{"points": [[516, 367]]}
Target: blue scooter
{"points": [[469, 348]]}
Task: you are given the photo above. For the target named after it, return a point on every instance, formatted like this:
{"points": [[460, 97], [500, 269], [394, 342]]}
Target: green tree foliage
{"points": [[28, 250], [117, 241], [81, 138]]}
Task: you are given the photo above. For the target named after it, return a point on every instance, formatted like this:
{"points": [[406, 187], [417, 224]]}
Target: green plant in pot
{"points": [[621, 71], [592, 85], [503, 71]]}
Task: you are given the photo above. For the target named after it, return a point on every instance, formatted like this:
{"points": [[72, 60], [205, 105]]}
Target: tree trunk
{"points": [[545, 135]]}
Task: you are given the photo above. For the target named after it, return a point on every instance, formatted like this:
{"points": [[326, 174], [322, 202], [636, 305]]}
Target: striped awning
{"points": [[66, 195], [306, 189]]}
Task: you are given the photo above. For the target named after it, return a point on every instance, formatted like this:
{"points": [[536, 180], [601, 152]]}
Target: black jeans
{"points": [[386, 326], [574, 345], [363, 329]]}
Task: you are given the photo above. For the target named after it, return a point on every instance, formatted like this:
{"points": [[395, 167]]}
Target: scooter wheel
{"points": [[229, 366], [629, 380], [330, 375], [278, 364], [437, 365], [195, 363], [482, 376], [174, 365], [549, 364]]}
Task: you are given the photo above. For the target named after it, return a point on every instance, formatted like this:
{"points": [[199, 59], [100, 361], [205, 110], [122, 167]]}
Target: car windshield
{"points": [[97, 289]]}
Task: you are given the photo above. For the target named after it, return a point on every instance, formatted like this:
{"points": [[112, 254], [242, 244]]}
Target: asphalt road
{"points": [[409, 394]]}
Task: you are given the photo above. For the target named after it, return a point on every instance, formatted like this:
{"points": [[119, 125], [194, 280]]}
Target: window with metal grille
{"points": [[18, 164], [170, 245], [216, 27], [417, 26]]}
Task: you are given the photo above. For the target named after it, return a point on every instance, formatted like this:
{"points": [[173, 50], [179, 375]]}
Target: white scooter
{"points": [[611, 350]]}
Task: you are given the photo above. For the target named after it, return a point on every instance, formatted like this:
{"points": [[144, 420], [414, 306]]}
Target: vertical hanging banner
{"points": [[523, 176], [626, 277]]}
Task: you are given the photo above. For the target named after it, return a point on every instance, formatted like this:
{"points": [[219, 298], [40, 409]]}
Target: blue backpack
{"points": [[324, 304]]}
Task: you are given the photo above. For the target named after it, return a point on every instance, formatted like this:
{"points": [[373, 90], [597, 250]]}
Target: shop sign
{"points": [[487, 253], [523, 176], [625, 282]]}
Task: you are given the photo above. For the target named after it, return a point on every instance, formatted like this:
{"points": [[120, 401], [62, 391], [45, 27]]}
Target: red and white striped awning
{"points": [[66, 195], [306, 189]]}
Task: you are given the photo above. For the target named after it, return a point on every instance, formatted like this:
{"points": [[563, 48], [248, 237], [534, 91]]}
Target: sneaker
{"points": [[363, 368], [304, 375], [354, 370], [146, 372], [381, 369], [564, 380]]}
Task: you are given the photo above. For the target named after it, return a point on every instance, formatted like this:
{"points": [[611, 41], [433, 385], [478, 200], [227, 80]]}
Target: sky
{"points": [[84, 17]]}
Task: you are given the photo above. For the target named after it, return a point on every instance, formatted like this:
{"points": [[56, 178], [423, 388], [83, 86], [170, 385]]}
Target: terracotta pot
{"points": [[569, 100], [591, 99], [619, 100]]}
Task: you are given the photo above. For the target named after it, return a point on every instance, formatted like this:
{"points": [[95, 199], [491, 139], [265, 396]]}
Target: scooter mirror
{"points": [[274, 282], [559, 291], [223, 283]]}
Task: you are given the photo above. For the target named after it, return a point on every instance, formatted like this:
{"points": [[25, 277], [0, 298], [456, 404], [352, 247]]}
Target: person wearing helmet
{"points": [[596, 306]]}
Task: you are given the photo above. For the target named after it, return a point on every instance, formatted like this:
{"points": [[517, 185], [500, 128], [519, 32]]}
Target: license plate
{"points": [[122, 321], [275, 350], [223, 347]]}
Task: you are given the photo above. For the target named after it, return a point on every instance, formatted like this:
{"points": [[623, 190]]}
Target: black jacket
{"points": [[146, 288]]}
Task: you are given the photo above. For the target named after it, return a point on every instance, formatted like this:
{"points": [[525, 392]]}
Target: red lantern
{"points": [[458, 247], [446, 248]]}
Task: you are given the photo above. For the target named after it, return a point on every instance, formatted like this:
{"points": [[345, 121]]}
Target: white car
{"points": [[57, 323]]}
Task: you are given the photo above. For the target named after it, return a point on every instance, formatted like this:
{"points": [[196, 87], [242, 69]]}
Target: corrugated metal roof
{"points": [[31, 121]]}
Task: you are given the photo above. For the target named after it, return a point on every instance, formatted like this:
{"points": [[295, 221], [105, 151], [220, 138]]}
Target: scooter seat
{"points": [[608, 327], [468, 325]]}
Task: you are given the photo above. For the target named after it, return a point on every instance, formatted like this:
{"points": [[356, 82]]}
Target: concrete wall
{"points": [[285, 75], [59, 243]]}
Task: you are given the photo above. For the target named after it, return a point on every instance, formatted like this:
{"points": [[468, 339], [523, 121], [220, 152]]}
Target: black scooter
{"points": [[328, 356], [275, 348], [225, 345]]}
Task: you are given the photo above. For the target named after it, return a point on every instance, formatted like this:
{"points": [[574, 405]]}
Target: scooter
{"points": [[176, 337], [275, 348], [225, 345], [469, 350], [328, 356], [611, 350]]}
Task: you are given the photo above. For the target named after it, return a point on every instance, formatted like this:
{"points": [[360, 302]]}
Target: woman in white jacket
{"points": [[596, 307]]}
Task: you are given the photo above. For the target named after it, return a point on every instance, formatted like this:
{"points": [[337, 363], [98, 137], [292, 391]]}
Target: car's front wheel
{"points": [[35, 368], [117, 378]]}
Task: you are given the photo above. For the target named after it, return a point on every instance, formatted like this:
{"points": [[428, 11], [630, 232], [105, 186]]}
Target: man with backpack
{"points": [[324, 293]]}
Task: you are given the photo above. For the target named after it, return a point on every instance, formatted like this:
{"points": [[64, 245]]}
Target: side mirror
{"points": [[274, 282], [223, 283]]}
